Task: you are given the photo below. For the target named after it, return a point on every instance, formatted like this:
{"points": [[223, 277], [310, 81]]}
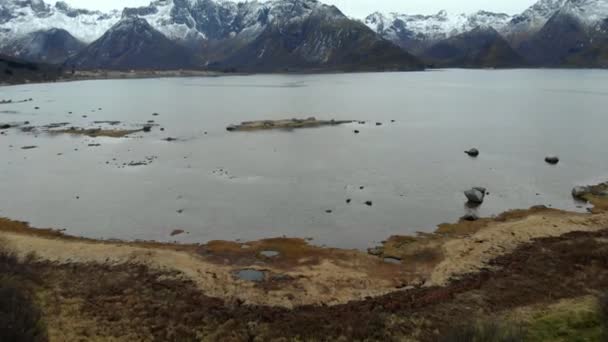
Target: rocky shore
{"points": [[540, 261]]}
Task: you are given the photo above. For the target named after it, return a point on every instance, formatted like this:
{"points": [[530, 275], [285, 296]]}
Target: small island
{"points": [[288, 124]]}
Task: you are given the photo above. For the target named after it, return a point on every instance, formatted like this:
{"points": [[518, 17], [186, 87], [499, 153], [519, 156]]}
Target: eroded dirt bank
{"points": [[521, 261]]}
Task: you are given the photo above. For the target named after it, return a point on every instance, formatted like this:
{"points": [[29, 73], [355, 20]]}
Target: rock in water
{"points": [[476, 195], [472, 152], [553, 160], [579, 192], [470, 217]]}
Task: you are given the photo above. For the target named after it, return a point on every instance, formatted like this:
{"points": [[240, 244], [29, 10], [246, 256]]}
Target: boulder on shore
{"points": [[476, 195], [470, 217], [579, 192]]}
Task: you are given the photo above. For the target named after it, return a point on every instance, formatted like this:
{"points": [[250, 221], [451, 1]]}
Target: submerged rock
{"points": [[476, 195], [553, 160], [472, 152]]}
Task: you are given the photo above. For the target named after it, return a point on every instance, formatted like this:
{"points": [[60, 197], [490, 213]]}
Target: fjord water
{"points": [[252, 185]]}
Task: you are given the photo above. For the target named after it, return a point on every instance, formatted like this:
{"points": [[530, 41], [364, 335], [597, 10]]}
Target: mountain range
{"points": [[301, 35]]}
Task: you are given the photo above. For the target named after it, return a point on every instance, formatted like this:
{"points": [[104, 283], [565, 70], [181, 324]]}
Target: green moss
{"points": [[571, 326]]}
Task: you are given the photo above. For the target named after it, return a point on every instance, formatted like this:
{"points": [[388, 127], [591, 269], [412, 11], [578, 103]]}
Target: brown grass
{"points": [[97, 132]]}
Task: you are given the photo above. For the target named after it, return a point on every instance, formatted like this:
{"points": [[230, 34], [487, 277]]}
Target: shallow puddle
{"points": [[251, 275]]}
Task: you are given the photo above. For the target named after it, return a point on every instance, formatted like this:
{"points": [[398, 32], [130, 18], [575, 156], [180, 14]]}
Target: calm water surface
{"points": [[247, 186]]}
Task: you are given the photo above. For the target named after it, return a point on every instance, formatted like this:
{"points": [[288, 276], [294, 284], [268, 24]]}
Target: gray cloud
{"points": [[361, 8]]}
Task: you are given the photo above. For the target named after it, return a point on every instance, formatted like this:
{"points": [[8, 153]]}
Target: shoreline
{"points": [[93, 75], [521, 268], [410, 261]]}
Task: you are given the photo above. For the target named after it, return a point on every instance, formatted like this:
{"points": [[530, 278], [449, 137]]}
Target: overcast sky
{"points": [[361, 8]]}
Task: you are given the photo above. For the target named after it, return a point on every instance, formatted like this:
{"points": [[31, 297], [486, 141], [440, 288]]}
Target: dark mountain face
{"points": [[321, 41], [15, 71], [482, 47], [562, 37], [53, 46], [133, 44]]}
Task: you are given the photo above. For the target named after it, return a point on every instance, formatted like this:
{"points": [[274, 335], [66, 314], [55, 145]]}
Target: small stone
{"points": [[177, 232], [348, 201], [472, 152], [369, 203], [553, 160], [357, 132]]}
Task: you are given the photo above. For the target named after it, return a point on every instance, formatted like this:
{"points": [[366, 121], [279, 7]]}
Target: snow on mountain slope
{"points": [[433, 27], [589, 12], [533, 18], [19, 18], [177, 19]]}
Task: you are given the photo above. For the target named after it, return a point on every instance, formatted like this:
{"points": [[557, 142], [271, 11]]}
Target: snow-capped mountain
{"points": [[548, 33], [481, 47], [417, 32], [52, 46], [575, 35], [294, 34], [133, 43], [535, 17], [274, 34]]}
